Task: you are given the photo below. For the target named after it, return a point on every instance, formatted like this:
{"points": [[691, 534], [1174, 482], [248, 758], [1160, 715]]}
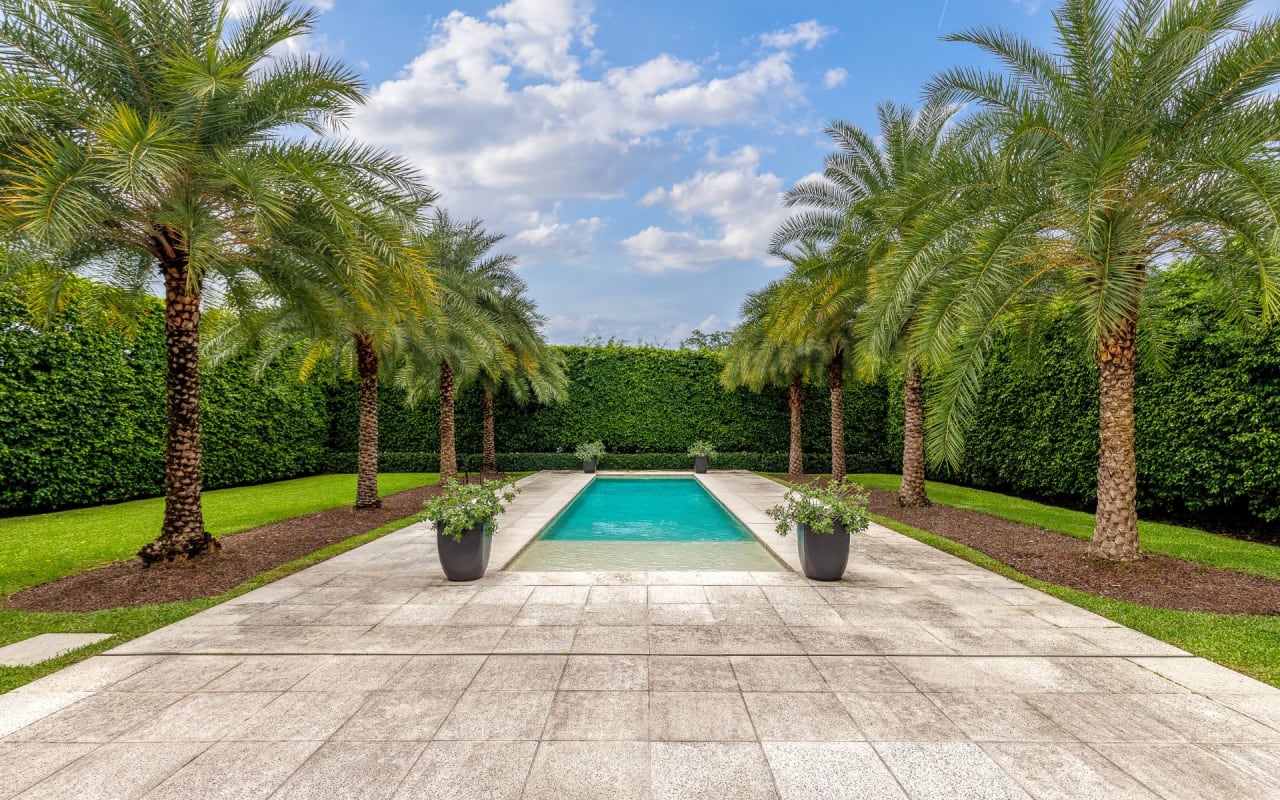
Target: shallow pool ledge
{"points": [[542, 496], [747, 496]]}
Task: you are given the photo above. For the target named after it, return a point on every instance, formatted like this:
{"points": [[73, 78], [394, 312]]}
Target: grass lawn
{"points": [[1248, 644], [40, 548], [44, 547], [1188, 544]]}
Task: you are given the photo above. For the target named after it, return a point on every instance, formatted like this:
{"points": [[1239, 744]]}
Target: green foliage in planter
{"points": [[819, 505], [461, 506], [589, 451], [702, 449]]}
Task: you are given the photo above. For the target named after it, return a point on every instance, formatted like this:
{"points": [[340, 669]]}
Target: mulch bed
{"points": [[244, 555], [1156, 580]]}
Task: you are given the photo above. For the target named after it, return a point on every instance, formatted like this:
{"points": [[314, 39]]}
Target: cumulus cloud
{"points": [[1029, 6], [807, 34], [500, 112], [835, 77], [732, 209], [547, 237]]}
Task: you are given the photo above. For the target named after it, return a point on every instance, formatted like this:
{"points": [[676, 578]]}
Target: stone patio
{"points": [[368, 676]]}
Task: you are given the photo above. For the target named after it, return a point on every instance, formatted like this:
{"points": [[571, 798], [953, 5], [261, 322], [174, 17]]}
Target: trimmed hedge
{"points": [[1207, 425], [636, 400], [82, 413], [532, 462]]}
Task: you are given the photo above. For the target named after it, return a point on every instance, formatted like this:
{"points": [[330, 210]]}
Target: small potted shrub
{"points": [[824, 516], [589, 454], [464, 515], [702, 453]]}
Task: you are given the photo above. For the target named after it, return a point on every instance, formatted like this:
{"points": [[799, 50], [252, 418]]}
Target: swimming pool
{"points": [[645, 523]]}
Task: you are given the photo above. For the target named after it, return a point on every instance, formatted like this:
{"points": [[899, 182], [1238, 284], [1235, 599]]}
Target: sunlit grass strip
{"points": [[44, 547], [1188, 544]]}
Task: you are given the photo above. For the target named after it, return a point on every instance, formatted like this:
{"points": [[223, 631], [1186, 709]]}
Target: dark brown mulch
{"points": [[1156, 580], [244, 555]]}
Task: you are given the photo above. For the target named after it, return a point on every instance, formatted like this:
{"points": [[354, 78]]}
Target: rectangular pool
{"points": [[645, 523]]}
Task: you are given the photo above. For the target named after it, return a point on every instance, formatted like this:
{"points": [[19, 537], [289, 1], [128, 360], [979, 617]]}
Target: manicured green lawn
{"points": [[43, 547], [1189, 544], [39, 548]]}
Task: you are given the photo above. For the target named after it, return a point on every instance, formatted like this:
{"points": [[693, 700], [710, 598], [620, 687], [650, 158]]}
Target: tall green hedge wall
{"points": [[636, 400], [1207, 424], [82, 412]]}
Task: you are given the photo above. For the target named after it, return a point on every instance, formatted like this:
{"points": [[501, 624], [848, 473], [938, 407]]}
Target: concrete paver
{"points": [[370, 676]]}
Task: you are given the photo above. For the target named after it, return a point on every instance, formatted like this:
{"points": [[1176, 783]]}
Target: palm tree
{"points": [[851, 208], [151, 130], [758, 357], [804, 298], [353, 328], [462, 336], [1147, 133], [526, 365]]}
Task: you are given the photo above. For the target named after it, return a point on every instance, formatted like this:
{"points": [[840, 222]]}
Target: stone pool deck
{"points": [[368, 676]]}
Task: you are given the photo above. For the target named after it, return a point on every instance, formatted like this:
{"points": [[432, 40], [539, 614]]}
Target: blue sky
{"points": [[633, 153]]}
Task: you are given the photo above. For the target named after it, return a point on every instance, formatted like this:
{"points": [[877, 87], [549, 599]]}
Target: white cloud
{"points": [[1029, 6], [499, 115], [807, 34], [548, 238], [732, 210], [835, 78]]}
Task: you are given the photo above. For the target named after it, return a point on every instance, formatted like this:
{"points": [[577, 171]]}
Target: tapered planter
{"points": [[700, 464], [823, 556], [589, 466], [464, 559]]}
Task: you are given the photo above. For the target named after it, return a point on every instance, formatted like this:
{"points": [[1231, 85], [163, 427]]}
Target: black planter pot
{"points": [[700, 464], [823, 555], [463, 559], [589, 466]]}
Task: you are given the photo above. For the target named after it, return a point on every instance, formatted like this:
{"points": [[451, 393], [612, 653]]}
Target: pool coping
{"points": [[520, 525]]}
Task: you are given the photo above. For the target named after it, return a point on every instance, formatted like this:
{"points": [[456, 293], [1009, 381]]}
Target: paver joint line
{"points": [[767, 685]]}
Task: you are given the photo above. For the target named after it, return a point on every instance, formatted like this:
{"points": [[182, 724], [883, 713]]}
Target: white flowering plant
{"points": [[461, 506], [819, 505]]}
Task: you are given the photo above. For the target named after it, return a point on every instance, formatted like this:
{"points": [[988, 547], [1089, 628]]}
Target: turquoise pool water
{"points": [[635, 523]]}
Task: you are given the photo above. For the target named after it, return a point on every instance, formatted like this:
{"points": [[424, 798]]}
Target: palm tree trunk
{"points": [[1115, 533], [795, 464], [182, 535], [912, 493], [448, 447], [489, 462], [367, 461], [835, 382]]}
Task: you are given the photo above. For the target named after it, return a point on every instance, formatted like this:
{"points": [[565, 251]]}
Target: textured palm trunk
{"points": [[448, 447], [835, 382], [489, 462], [795, 464], [182, 535], [912, 493], [1115, 534], [367, 461]]}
